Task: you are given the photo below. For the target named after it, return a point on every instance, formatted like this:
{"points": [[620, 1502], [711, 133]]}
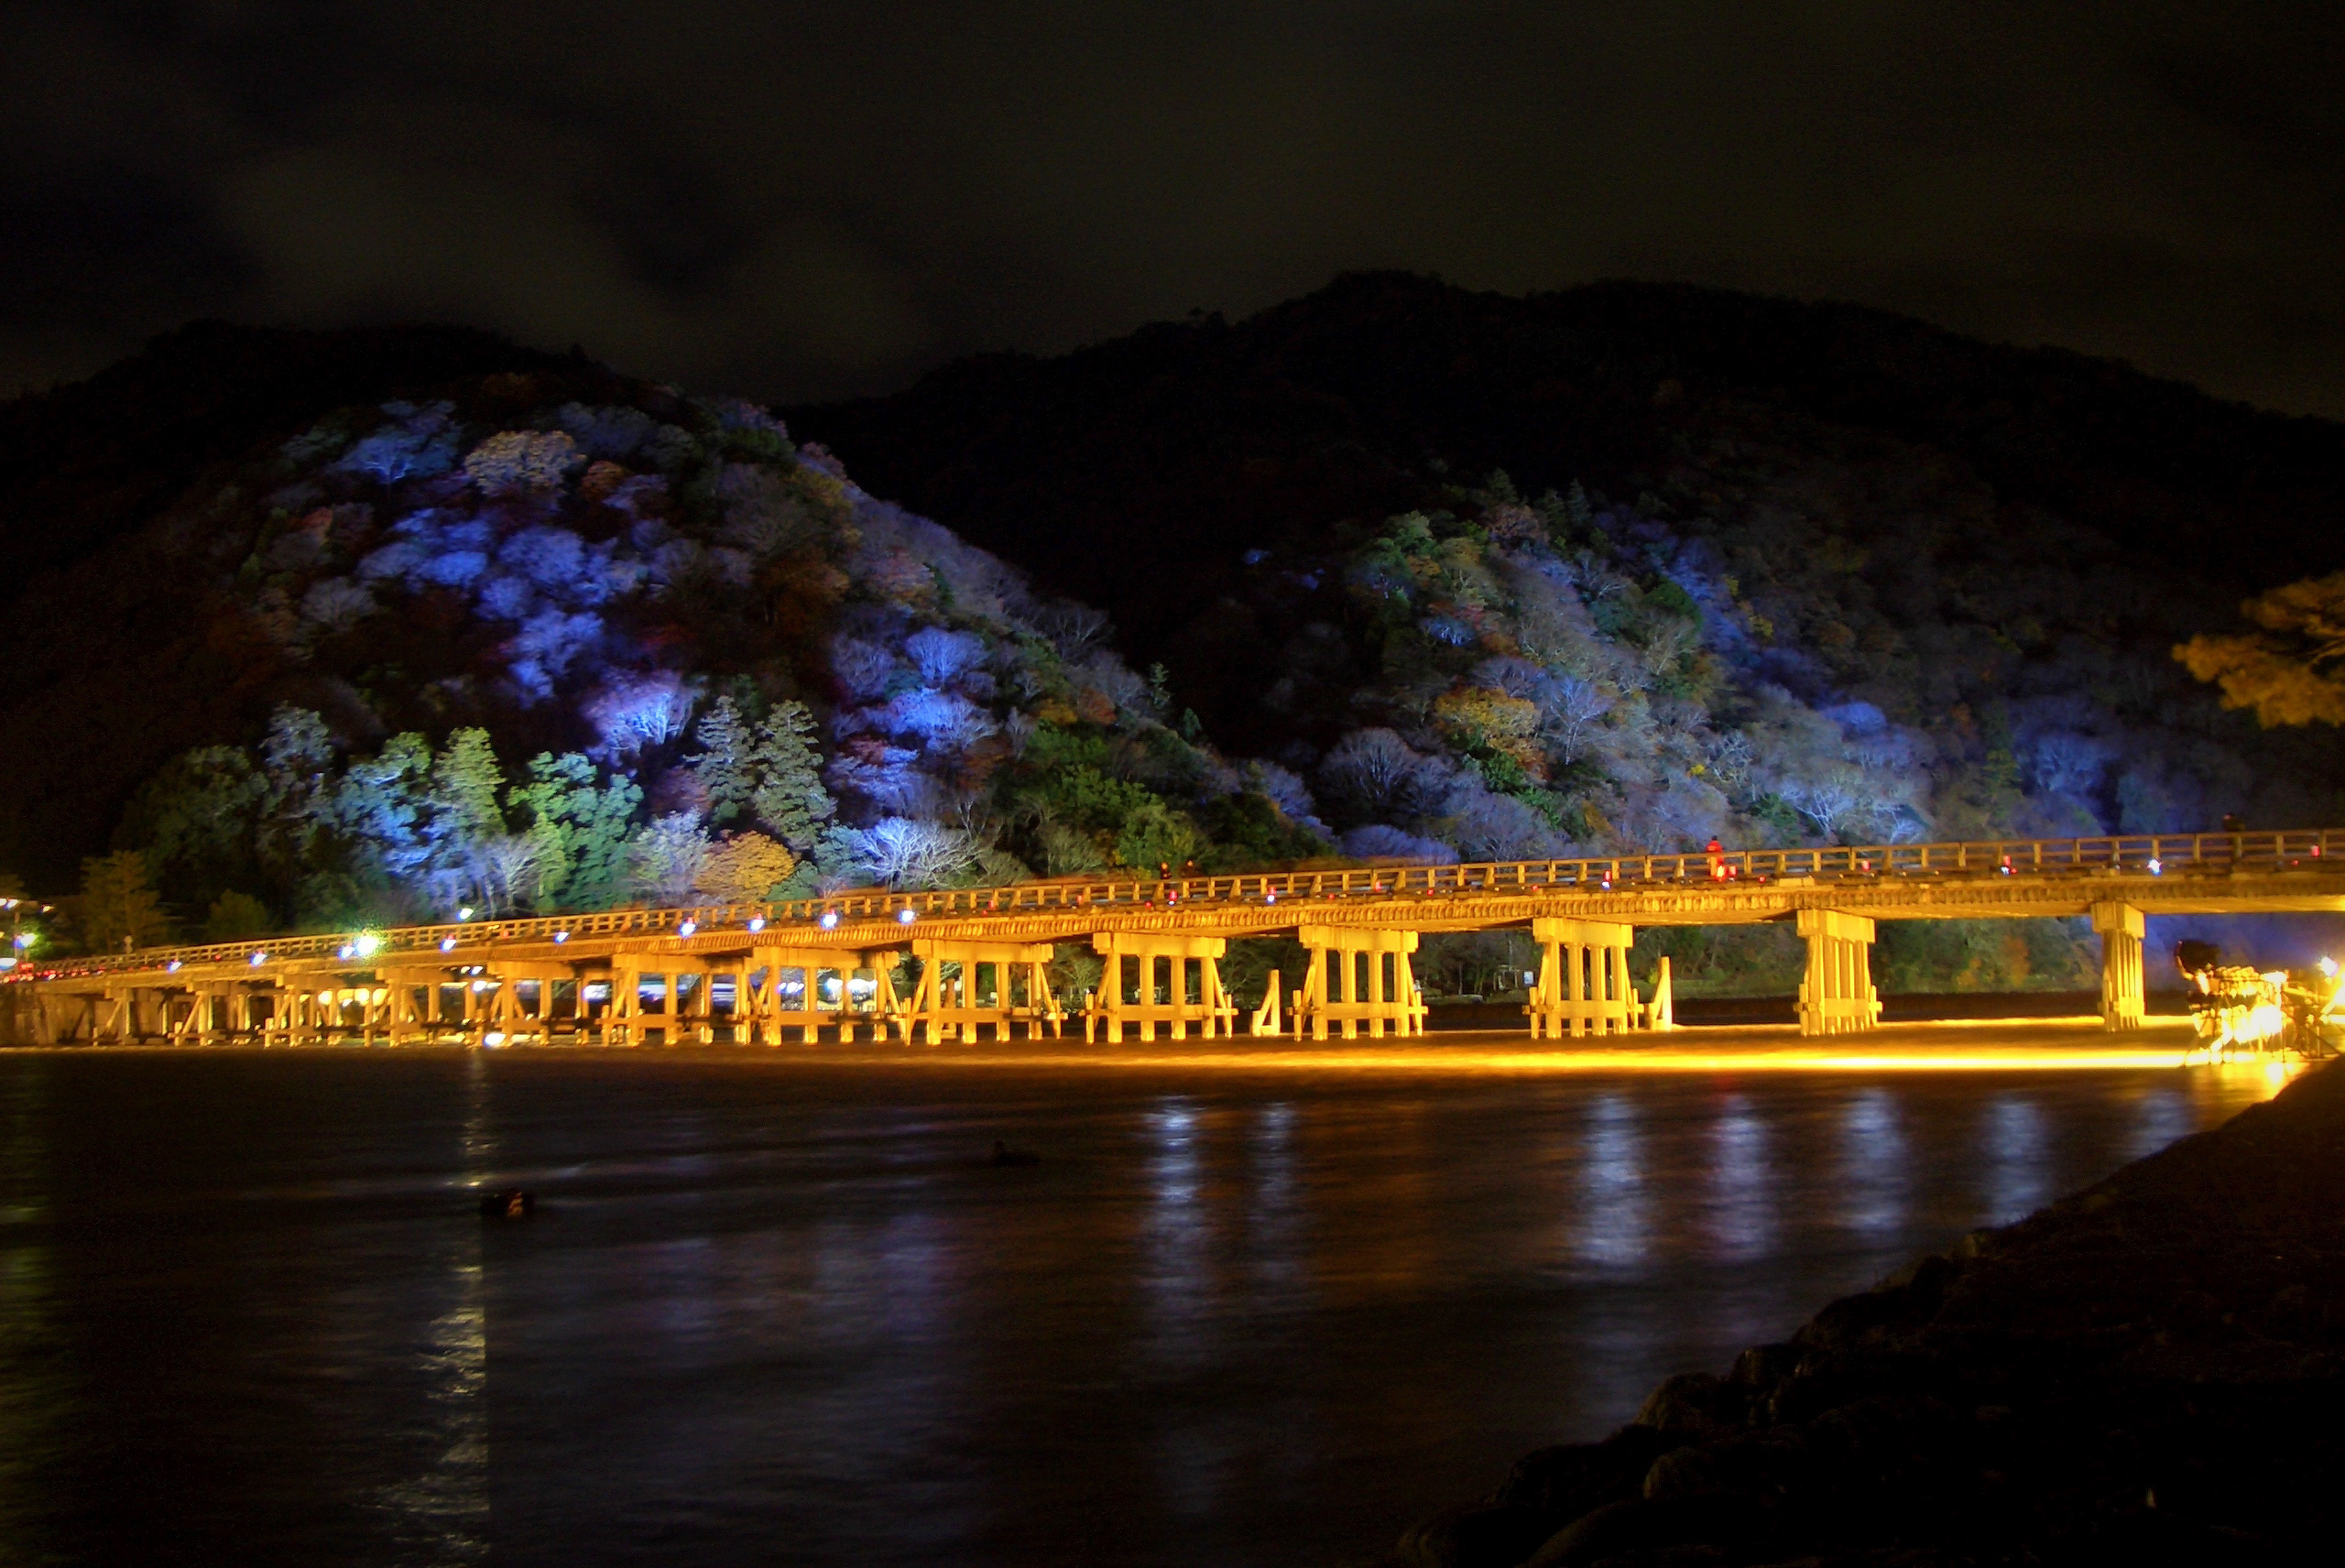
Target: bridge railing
{"points": [[2141, 852]]}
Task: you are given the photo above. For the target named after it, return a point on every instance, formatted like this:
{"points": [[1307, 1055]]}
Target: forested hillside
{"points": [[548, 637], [328, 628], [1762, 567]]}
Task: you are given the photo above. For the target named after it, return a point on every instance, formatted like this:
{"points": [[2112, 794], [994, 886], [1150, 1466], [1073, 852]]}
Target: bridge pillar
{"points": [[1336, 990], [781, 988], [1584, 986], [1203, 1003], [987, 981], [1838, 996], [2123, 1004]]}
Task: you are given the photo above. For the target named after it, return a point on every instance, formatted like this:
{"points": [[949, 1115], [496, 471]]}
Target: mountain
{"points": [[1991, 547], [1140, 472], [340, 627]]}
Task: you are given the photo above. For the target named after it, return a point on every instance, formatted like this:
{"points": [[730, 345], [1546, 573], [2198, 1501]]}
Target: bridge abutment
{"points": [[2123, 1004], [1837, 997]]}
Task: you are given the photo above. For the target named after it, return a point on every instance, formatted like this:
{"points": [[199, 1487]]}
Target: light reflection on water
{"points": [[1875, 1165], [1613, 1211], [1743, 1191], [771, 1309]]}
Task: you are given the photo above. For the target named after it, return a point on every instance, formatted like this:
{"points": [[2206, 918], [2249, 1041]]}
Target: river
{"points": [[774, 1308]]}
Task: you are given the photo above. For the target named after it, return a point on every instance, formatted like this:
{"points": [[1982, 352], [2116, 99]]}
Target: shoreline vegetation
{"points": [[2146, 1371]]}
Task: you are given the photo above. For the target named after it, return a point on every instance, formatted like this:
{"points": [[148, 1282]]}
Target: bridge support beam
{"points": [[1347, 982], [1838, 996], [1178, 985], [809, 990], [1584, 985], [1003, 984], [2123, 1004]]}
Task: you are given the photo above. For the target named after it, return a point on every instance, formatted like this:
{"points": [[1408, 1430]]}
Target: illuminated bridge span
{"points": [[824, 968]]}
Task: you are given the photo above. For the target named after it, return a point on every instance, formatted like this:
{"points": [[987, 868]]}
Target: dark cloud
{"points": [[799, 201]]}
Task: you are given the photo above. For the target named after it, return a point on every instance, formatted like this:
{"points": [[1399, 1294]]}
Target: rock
{"points": [[1693, 1406], [1727, 1520], [1477, 1535], [1906, 1300], [1764, 1365], [1764, 1463], [1569, 1480]]}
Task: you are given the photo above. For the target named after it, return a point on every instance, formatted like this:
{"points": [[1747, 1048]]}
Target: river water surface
{"points": [[775, 1309]]}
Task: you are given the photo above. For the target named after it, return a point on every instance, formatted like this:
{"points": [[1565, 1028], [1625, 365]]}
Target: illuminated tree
{"points": [[789, 797], [902, 852], [645, 709], [1157, 835], [197, 820], [117, 906], [725, 765], [666, 859], [744, 868], [2290, 673], [514, 461], [590, 820], [1478, 716], [941, 656]]}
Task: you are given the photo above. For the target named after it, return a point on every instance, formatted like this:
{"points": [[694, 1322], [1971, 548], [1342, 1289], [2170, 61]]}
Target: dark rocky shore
{"points": [[2150, 1371]]}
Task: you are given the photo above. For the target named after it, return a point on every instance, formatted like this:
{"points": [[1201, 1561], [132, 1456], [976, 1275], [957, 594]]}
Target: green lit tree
{"points": [[591, 818], [728, 763], [789, 798]]}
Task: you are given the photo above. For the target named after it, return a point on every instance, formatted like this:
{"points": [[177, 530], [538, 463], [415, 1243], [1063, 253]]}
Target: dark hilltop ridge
{"points": [[2146, 1372], [1140, 472], [1988, 543]]}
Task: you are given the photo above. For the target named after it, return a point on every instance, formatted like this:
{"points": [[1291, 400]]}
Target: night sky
{"points": [[802, 201]]}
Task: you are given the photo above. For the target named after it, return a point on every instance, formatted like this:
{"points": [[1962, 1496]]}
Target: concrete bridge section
{"points": [[824, 969]]}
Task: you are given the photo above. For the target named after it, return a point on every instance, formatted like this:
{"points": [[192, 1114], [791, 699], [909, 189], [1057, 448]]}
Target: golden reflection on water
{"points": [[441, 1513]]}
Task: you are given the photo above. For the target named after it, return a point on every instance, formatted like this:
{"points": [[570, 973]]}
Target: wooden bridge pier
{"points": [[2123, 1004], [1153, 979], [968, 986], [1837, 997], [1584, 985], [812, 989], [1359, 974]]}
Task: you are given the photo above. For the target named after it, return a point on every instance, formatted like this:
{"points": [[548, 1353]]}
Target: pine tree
{"points": [[117, 906], [789, 798], [466, 817], [726, 766]]}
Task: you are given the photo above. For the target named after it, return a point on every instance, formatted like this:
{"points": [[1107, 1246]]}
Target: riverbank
{"points": [[2150, 1370]]}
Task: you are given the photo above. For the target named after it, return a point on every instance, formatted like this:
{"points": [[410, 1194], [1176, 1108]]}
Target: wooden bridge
{"points": [[826, 968]]}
